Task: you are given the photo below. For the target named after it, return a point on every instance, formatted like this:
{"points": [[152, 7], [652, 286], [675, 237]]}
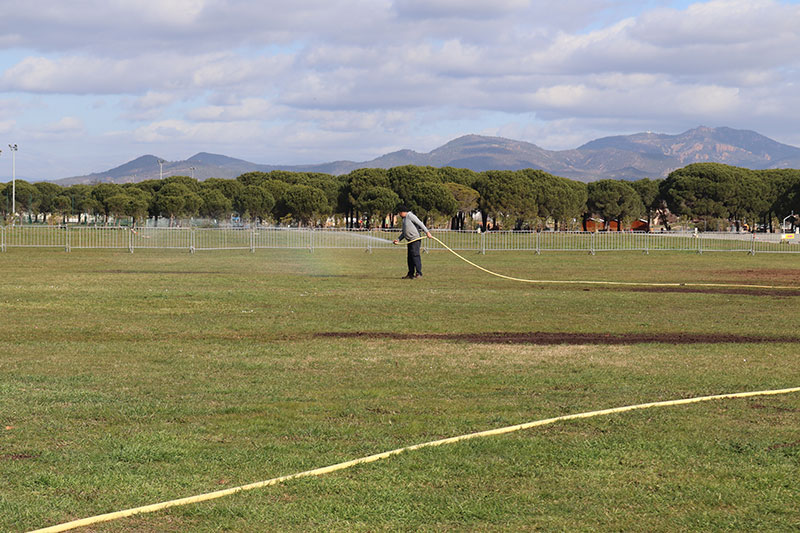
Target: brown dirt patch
{"points": [[770, 276], [778, 293], [783, 445], [156, 272], [555, 338], [774, 408], [17, 456]]}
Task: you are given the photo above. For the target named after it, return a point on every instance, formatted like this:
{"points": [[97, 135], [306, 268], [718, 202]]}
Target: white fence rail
{"points": [[196, 239]]}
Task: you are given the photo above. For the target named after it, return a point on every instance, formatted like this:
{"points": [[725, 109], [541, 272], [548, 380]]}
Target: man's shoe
{"points": [[417, 275], [407, 276]]}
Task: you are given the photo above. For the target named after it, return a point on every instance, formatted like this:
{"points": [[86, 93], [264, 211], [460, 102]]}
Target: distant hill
{"points": [[202, 165], [634, 156]]}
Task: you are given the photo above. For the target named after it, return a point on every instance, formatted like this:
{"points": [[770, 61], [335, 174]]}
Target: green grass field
{"points": [[132, 379]]}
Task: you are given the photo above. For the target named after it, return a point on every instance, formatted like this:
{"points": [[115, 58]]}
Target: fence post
{"points": [[191, 240], [699, 244], [253, 241], [2, 238], [130, 239], [591, 242], [483, 242], [66, 238], [369, 241], [538, 243], [647, 243], [311, 241], [753, 245]]}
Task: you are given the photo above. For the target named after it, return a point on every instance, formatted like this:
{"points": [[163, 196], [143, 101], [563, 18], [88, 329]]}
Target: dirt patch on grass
{"points": [[156, 272], [769, 276], [555, 338], [775, 293], [17, 456], [774, 408], [783, 445]]}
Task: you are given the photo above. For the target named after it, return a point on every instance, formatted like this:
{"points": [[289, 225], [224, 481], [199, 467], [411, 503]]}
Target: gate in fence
{"points": [[69, 238]]}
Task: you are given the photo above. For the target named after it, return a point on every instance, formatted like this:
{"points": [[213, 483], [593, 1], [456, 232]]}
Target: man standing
{"points": [[411, 228]]}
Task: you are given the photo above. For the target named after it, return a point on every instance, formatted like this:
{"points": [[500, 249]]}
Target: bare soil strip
{"points": [[556, 338], [719, 290]]}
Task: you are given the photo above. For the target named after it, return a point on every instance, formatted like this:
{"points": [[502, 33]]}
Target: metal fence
{"points": [[196, 239]]}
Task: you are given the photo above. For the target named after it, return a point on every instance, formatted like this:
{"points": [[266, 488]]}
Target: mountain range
{"points": [[640, 155]]}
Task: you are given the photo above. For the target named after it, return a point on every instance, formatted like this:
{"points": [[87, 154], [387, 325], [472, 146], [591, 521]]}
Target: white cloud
{"points": [[354, 77], [718, 22], [479, 9], [561, 134], [154, 74], [75, 75], [154, 100], [564, 96], [175, 11], [641, 95], [246, 109], [709, 100], [174, 131], [704, 40], [201, 26], [150, 106], [357, 122]]}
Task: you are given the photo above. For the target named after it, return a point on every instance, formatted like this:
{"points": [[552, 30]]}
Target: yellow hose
{"points": [[595, 282], [385, 455]]}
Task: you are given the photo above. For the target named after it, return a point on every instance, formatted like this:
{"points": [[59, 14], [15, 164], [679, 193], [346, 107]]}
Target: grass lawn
{"points": [[132, 379]]}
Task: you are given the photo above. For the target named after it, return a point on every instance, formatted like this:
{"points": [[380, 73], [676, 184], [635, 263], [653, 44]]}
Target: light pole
{"points": [[14, 149], [161, 168], [783, 224]]}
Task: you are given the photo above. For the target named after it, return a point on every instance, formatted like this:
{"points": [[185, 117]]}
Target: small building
{"points": [[598, 224], [594, 224]]}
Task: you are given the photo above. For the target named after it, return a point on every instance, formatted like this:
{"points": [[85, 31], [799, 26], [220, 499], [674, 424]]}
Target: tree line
{"points": [[711, 195]]}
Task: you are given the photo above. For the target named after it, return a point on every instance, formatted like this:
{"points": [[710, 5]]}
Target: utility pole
{"points": [[14, 149]]}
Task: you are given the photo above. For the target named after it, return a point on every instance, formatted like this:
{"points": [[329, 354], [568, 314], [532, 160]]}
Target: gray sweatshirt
{"points": [[412, 225]]}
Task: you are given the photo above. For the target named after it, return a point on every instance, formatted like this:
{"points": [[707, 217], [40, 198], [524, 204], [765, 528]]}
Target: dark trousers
{"points": [[414, 260]]}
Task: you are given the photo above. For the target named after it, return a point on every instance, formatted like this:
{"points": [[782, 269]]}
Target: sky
{"points": [[88, 85]]}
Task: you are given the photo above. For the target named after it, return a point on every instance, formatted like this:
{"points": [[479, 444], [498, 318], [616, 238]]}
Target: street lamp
{"points": [[783, 224], [161, 168], [14, 149]]}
